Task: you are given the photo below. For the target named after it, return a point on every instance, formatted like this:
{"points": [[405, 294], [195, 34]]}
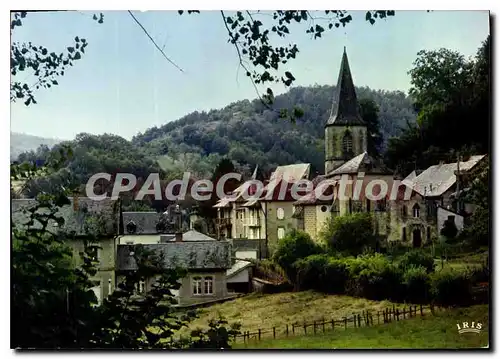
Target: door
{"points": [[417, 238]]}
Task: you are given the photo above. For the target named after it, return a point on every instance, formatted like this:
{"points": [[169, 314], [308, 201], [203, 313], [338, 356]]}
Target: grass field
{"points": [[276, 310], [429, 332]]}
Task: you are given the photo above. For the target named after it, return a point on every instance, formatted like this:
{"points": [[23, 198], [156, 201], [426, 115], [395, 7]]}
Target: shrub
{"points": [[451, 288], [417, 284], [417, 258], [321, 272], [373, 277], [294, 246], [349, 233]]}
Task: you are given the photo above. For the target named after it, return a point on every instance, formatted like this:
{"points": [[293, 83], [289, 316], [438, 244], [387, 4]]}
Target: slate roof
{"points": [[437, 179], [345, 109], [361, 163], [190, 236], [288, 173], [189, 255], [310, 198], [145, 221], [76, 215], [238, 266]]}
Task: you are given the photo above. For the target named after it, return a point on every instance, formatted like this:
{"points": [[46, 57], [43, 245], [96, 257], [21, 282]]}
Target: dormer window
{"points": [[131, 227]]}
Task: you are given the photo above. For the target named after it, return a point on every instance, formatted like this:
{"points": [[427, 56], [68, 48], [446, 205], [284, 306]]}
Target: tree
{"points": [[54, 306], [449, 230], [369, 113], [294, 246], [352, 233], [44, 66], [450, 93]]}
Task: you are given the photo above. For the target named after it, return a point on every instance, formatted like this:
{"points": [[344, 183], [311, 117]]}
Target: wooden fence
{"points": [[364, 319]]}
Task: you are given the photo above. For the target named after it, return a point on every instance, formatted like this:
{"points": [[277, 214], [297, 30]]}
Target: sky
{"points": [[123, 85]]}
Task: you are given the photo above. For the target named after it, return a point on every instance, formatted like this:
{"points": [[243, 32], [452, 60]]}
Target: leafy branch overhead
{"points": [[38, 62], [253, 40], [261, 59]]}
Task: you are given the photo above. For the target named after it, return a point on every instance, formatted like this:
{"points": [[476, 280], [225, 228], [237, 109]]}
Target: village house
{"points": [[421, 218], [206, 260], [84, 218], [262, 216]]}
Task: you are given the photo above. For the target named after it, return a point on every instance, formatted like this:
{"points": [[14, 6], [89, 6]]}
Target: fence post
{"points": [[333, 324], [305, 328], [397, 314], [354, 317], [323, 325], [359, 320], [378, 317], [244, 337], [345, 323], [287, 330], [314, 327], [293, 329], [274, 332], [259, 333], [421, 310], [404, 312], [394, 308]]}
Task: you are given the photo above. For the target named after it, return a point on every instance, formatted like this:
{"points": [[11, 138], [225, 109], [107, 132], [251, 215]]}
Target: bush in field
{"points": [[373, 277], [294, 246], [417, 258], [323, 273], [351, 233], [417, 284], [451, 288]]}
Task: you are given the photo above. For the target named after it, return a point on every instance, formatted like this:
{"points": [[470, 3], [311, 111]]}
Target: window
{"points": [[280, 213], [196, 285], [347, 144], [92, 251], [404, 234], [140, 287], [281, 232], [404, 211], [209, 285], [416, 210], [428, 233], [324, 208]]}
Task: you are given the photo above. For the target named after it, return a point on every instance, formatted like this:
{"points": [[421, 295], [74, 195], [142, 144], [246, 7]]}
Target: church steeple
{"points": [[345, 110], [346, 134]]}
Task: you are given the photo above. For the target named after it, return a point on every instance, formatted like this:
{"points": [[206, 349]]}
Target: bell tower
{"points": [[345, 130]]}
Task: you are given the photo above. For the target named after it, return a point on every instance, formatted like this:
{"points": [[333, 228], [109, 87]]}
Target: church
{"points": [[410, 212]]}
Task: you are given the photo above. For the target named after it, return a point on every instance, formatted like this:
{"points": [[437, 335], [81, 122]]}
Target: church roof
{"points": [[361, 163], [345, 109]]}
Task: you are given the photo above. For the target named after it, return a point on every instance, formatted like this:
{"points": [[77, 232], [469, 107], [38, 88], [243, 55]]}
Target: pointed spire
{"points": [[345, 110]]}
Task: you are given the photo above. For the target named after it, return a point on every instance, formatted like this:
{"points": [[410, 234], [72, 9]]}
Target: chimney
{"points": [[178, 236], [75, 201]]}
